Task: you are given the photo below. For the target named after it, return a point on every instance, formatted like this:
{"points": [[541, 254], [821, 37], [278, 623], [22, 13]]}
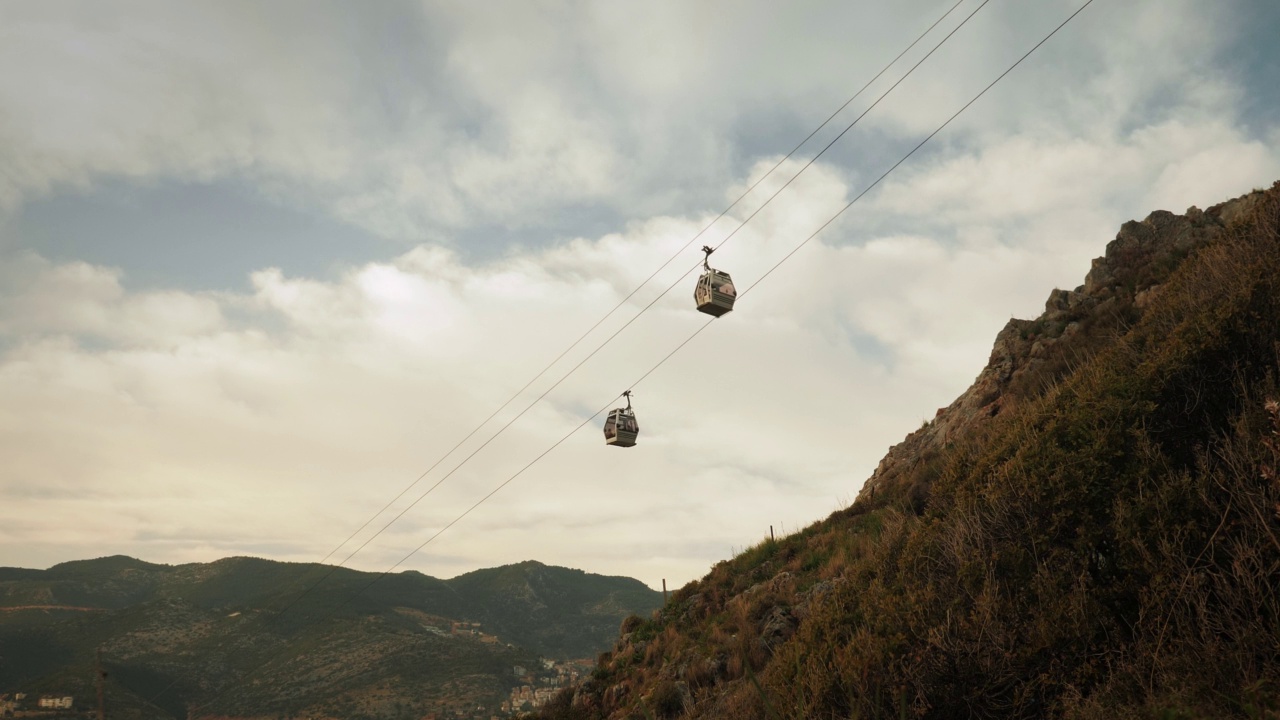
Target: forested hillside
{"points": [[247, 637]]}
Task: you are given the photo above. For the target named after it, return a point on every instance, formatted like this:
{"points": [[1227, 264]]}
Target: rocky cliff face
{"points": [[1031, 355]]}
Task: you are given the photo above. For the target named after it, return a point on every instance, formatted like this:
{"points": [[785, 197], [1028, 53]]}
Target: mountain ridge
{"points": [[356, 645]]}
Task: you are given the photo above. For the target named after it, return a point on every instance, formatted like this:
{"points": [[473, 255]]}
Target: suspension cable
{"points": [[707, 324], [332, 569], [610, 313], [673, 351], [662, 294]]}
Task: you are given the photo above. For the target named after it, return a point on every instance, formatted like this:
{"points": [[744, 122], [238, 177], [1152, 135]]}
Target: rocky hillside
{"points": [[214, 635], [1029, 356], [1091, 530]]}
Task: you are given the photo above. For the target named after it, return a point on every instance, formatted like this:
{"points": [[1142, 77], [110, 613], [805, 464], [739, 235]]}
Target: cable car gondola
{"points": [[714, 293], [620, 427]]}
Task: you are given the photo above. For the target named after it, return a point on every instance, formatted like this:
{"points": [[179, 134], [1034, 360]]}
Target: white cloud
{"points": [[37, 297], [325, 397], [297, 420], [179, 425], [408, 121], [1170, 165]]}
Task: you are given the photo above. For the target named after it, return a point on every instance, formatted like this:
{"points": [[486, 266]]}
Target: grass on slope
{"points": [[1110, 549]]}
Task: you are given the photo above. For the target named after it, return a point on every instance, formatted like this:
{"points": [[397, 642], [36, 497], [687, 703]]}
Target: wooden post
{"points": [[97, 666], [664, 591], [771, 532]]}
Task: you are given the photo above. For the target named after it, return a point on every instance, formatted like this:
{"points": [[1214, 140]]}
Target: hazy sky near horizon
{"points": [[262, 264]]}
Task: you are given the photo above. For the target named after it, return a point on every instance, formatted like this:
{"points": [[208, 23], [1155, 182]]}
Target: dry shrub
{"points": [[666, 701], [630, 624]]}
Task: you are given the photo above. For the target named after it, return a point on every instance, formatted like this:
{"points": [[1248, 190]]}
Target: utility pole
{"points": [[101, 677], [664, 595]]}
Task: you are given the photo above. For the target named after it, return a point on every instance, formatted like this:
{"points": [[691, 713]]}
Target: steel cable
{"points": [[645, 282], [687, 340]]}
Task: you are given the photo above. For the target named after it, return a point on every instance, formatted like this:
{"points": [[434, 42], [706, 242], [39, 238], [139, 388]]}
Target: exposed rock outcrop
{"points": [[1030, 355]]}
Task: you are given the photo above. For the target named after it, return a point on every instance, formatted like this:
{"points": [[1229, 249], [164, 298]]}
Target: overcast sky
{"points": [[262, 264]]}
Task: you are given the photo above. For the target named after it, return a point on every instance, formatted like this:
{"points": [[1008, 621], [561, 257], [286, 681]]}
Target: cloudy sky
{"points": [[262, 264]]}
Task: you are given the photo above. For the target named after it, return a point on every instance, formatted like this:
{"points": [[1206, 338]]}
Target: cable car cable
{"points": [[643, 283], [689, 339], [718, 308], [706, 324], [455, 469], [917, 147], [850, 125], [807, 165], [651, 303], [646, 281]]}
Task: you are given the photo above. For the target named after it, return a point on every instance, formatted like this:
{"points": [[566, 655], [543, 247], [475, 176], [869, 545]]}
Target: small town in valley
{"points": [[537, 684], [540, 687], [24, 705]]}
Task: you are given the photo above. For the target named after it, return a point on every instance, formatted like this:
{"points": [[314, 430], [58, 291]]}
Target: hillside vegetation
{"points": [[1092, 531], [214, 635]]}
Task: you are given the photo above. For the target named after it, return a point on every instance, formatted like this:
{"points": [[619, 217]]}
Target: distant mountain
{"points": [[214, 635], [532, 604], [1092, 530]]}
